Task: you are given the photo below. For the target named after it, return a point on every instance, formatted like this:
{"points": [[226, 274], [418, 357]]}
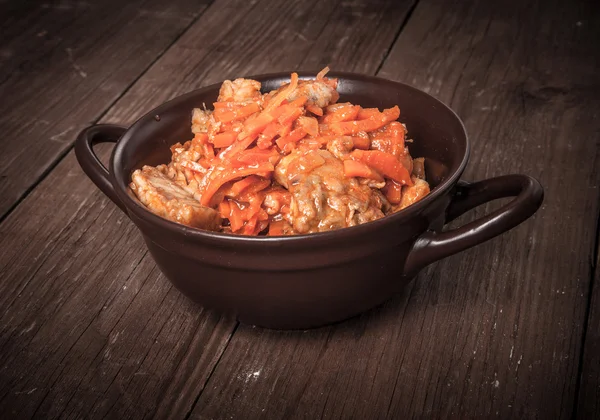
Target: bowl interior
{"points": [[438, 133]]}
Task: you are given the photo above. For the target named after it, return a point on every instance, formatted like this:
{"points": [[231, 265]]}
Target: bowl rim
{"points": [[141, 212]]}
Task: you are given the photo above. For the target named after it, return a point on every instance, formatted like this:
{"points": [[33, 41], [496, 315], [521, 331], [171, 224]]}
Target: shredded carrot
{"points": [[315, 110], [232, 162], [392, 191], [224, 139], [341, 112], [226, 114], [246, 183], [362, 142], [322, 73], [255, 125], [276, 228], [236, 216], [365, 113], [372, 123], [265, 139], [353, 168], [224, 209], [385, 163], [284, 93], [231, 174], [292, 137]]}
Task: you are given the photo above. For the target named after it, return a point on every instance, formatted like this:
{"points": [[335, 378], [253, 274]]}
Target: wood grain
{"points": [[588, 406], [62, 64], [88, 326], [495, 331]]}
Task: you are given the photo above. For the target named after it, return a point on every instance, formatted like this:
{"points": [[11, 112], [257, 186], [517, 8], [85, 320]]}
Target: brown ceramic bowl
{"points": [[310, 280]]}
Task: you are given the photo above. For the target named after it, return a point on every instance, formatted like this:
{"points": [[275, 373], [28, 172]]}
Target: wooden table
{"points": [[89, 328]]}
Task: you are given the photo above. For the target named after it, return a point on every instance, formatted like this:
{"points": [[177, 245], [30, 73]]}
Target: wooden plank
{"points": [[348, 35], [495, 331], [88, 326], [588, 405], [62, 64]]}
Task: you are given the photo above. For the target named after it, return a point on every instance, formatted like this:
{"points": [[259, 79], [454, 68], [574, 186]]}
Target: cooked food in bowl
{"points": [[290, 161]]}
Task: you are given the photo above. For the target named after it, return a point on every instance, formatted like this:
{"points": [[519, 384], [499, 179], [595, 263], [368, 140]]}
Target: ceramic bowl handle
{"points": [[432, 246], [88, 160]]}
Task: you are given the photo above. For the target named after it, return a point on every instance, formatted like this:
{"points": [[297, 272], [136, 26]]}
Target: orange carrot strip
{"points": [[254, 188], [284, 130], [242, 184], [365, 113], [340, 112], [276, 228], [298, 102], [225, 139], [209, 151], [237, 147], [353, 168], [229, 114], [246, 111], [254, 207], [262, 215], [310, 125], [315, 110], [252, 183], [224, 114], [255, 156], [290, 115], [293, 137], [224, 209], [249, 228], [385, 163], [389, 139], [253, 126], [236, 216], [322, 73], [223, 104], [392, 191], [361, 142], [229, 175], [201, 138], [370, 124], [265, 140], [205, 163], [283, 93]]}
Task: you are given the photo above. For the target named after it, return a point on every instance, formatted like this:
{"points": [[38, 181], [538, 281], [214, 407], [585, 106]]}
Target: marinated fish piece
{"points": [[240, 90], [322, 197], [413, 193], [168, 199]]}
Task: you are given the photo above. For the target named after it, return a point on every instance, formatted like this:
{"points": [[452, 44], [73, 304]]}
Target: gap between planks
{"points": [[588, 307], [400, 30]]}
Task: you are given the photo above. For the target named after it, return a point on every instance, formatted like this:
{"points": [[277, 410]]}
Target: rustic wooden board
{"points": [[496, 330], [62, 64], [589, 388], [88, 326], [300, 35]]}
